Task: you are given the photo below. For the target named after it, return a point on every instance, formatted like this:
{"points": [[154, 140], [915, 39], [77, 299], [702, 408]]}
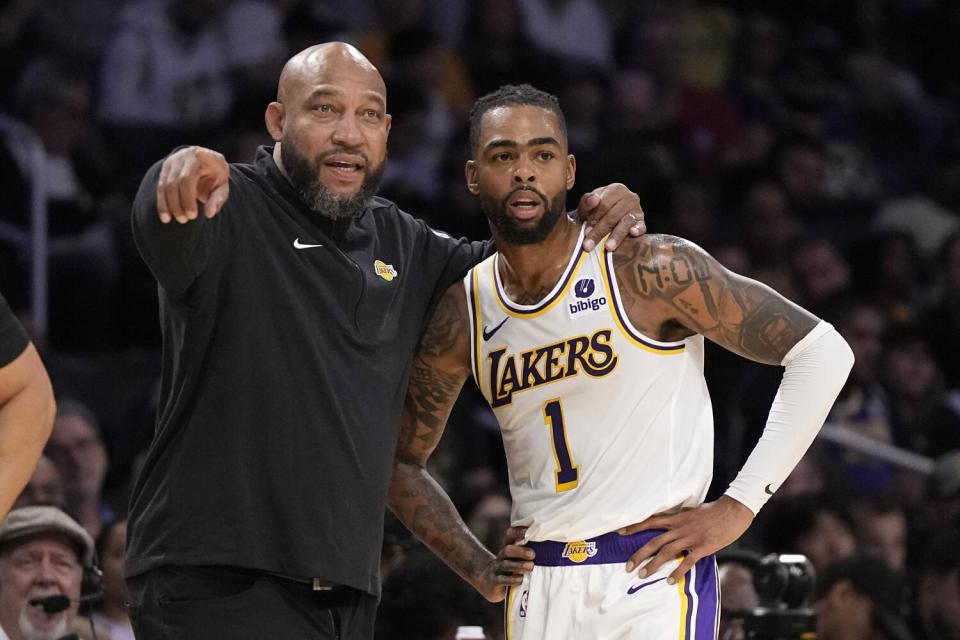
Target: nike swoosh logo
{"points": [[489, 334], [634, 589], [767, 489], [299, 245]]}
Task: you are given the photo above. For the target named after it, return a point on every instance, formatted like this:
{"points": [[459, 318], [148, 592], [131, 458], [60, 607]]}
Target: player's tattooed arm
{"points": [[684, 285], [440, 366]]}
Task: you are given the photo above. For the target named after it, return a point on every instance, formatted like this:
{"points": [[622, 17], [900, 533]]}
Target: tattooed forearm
{"points": [[423, 506], [673, 278], [439, 368], [449, 322], [430, 397]]}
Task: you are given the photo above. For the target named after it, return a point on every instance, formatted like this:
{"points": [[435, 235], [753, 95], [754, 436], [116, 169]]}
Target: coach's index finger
{"points": [[169, 187], [189, 177], [213, 181], [163, 209]]}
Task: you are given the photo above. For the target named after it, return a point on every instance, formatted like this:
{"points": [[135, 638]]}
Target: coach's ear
{"points": [[274, 118], [470, 171]]}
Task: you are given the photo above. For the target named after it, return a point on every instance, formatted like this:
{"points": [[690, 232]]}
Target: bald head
{"points": [[330, 123], [325, 63]]}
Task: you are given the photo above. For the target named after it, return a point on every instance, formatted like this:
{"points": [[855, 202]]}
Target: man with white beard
{"points": [[42, 555]]}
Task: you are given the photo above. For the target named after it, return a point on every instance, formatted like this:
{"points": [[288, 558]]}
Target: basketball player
{"points": [[593, 365]]}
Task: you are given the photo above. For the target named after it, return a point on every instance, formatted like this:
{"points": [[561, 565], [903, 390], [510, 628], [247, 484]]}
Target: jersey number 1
{"points": [[567, 473]]}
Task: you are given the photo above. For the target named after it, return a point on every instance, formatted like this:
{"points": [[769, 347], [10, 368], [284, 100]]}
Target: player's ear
{"points": [[571, 171], [470, 172]]}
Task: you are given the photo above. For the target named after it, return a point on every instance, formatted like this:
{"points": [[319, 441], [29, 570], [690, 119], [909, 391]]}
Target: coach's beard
{"points": [[302, 174], [512, 231]]}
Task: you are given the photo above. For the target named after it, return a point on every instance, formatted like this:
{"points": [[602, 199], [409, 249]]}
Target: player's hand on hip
{"points": [[613, 209], [689, 535], [189, 177], [506, 570]]}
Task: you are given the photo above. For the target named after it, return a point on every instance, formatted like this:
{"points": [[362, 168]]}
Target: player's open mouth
{"points": [[525, 205]]}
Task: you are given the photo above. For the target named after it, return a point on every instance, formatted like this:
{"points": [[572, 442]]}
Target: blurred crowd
{"points": [[814, 146]]}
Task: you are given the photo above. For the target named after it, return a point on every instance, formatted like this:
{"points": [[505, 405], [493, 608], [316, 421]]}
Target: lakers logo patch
{"points": [[384, 270], [579, 550]]}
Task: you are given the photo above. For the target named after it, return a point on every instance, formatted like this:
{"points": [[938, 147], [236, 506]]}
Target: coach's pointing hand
{"points": [[689, 535], [188, 177]]}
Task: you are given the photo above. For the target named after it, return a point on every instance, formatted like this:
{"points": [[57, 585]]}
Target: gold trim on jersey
{"points": [[545, 305], [619, 315], [477, 325]]}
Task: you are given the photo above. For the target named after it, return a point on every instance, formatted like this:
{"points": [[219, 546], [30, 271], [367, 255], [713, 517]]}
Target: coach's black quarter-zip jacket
{"points": [[286, 343]]}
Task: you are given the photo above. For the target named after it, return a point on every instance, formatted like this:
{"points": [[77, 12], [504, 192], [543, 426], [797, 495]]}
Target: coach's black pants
{"points": [[228, 603]]}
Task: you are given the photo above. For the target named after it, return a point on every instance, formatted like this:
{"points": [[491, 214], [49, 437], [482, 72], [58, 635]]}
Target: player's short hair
{"points": [[513, 95]]}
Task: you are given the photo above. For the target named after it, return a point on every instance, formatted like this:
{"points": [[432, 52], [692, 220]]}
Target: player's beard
{"points": [[528, 231], [303, 173]]}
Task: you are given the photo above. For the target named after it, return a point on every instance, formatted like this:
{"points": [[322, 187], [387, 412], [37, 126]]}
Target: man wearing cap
{"points": [[860, 599], [42, 553]]}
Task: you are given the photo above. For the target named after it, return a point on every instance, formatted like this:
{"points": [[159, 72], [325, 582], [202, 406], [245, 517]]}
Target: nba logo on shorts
{"points": [[579, 550], [523, 604]]}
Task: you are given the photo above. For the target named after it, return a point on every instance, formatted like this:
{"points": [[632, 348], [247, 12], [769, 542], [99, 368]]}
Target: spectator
{"points": [[812, 524], [925, 419], [881, 528], [889, 270], [860, 599], [82, 198], [111, 612], [166, 74], [932, 215], [45, 487], [739, 597], [821, 273], [77, 448], [496, 49], [43, 553], [770, 227], [864, 405], [573, 30]]}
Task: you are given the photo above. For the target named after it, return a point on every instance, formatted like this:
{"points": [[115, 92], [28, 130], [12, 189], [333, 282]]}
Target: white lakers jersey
{"points": [[602, 425]]}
